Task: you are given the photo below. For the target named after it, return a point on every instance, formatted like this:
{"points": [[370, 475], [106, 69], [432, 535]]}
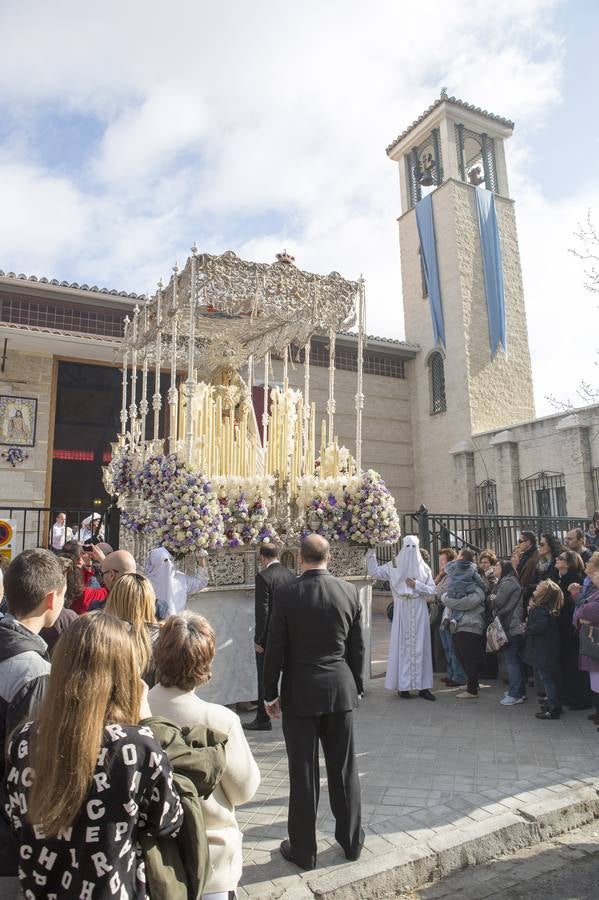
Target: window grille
{"points": [[543, 494], [437, 377], [346, 359], [486, 498], [19, 310]]}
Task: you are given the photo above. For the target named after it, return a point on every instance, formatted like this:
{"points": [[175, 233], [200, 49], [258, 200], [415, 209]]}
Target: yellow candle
{"points": [[231, 444], [312, 451], [243, 443], [284, 443]]}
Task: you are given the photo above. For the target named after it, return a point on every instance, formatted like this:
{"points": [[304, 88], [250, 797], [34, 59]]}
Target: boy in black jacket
{"points": [[34, 586]]}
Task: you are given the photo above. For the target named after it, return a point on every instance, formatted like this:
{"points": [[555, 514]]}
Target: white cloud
{"points": [[213, 114]]}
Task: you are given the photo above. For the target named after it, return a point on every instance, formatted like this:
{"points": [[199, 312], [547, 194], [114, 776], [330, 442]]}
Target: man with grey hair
{"points": [[315, 639]]}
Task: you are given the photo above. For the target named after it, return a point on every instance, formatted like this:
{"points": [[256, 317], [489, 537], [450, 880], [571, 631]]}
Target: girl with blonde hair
{"points": [[83, 778], [542, 649], [132, 600]]}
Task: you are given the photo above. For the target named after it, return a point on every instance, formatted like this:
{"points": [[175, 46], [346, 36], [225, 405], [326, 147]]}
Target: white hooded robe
{"points": [[171, 586], [410, 662]]}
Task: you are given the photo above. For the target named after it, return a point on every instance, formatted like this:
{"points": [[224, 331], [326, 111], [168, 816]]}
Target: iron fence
{"points": [[479, 532], [33, 524]]}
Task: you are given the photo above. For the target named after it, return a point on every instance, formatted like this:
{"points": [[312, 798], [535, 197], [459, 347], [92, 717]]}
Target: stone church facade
{"points": [[450, 424]]}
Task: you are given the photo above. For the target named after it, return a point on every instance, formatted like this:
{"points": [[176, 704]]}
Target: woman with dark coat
{"points": [[542, 643], [575, 685]]}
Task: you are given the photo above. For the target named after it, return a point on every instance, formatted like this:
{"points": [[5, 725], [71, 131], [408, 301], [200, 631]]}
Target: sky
{"points": [[129, 130]]}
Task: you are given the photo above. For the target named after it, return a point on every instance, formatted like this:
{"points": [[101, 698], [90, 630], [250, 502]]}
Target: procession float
{"points": [[197, 469]]}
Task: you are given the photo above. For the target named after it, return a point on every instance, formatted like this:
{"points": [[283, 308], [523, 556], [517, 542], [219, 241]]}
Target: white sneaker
{"points": [[511, 701]]}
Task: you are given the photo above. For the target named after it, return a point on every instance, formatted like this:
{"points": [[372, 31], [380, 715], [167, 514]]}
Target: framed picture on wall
{"points": [[18, 416]]}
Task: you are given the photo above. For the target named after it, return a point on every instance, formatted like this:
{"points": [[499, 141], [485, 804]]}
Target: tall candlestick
{"points": [[311, 460], [359, 386], [157, 396], [190, 383], [306, 424], [265, 410], [172, 395], [143, 406], [331, 401], [133, 404], [124, 380]]}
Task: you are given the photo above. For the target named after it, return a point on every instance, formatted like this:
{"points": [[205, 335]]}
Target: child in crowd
{"points": [[464, 579], [542, 648]]}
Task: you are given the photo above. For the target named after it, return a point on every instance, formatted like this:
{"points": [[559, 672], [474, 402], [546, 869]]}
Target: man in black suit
{"points": [[271, 577], [315, 638]]}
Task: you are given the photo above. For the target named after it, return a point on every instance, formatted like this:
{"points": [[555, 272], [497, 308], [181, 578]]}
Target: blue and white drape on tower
{"points": [[428, 249], [490, 246]]}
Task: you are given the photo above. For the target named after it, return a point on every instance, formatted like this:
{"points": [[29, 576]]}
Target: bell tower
{"points": [[462, 293]]}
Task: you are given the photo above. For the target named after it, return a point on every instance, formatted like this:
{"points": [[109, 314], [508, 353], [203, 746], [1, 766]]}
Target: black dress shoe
{"points": [[427, 695], [287, 853], [405, 695], [358, 852], [257, 725]]}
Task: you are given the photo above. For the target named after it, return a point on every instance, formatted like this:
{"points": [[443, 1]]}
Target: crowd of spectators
{"points": [[543, 596]]}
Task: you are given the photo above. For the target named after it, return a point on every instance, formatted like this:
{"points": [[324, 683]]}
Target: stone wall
{"points": [[481, 391], [500, 387], [564, 443], [28, 375]]}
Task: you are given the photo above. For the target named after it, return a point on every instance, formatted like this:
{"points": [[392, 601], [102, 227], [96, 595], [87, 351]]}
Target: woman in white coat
{"points": [[171, 586], [410, 662], [183, 655]]}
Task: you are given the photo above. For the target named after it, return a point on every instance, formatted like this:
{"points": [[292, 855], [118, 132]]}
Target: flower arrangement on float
{"points": [[244, 505], [349, 508], [185, 512]]}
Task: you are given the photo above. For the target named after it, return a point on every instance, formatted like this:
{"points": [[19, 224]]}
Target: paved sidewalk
{"points": [[426, 769], [564, 867]]}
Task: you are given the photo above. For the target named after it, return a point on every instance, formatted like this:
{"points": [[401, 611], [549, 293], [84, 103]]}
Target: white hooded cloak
{"points": [[170, 585], [410, 662]]}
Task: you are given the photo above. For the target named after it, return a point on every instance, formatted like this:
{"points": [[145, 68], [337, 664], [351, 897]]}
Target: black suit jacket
{"points": [[315, 638], [267, 582]]}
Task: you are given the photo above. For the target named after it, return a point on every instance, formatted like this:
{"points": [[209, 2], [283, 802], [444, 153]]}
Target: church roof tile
{"points": [[455, 101]]}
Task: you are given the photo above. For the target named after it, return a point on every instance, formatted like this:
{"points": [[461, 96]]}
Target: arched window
{"points": [[437, 382]]}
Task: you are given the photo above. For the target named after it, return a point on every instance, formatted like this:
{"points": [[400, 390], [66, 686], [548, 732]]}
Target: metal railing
{"points": [[479, 532], [33, 524]]}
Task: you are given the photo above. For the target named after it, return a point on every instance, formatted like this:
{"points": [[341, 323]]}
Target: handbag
{"points": [[496, 636], [589, 641]]}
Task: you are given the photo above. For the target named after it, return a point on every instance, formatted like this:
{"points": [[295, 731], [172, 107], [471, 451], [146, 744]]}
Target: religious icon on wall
{"points": [[17, 420]]}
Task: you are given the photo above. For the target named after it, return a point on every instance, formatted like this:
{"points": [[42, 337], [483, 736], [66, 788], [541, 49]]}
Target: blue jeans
{"points": [[550, 684], [515, 671], [454, 668]]}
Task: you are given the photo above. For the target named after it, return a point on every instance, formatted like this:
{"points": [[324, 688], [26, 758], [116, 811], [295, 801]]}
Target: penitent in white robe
{"points": [[410, 661]]}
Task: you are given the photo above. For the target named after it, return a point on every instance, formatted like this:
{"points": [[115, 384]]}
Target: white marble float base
{"points": [[230, 611]]}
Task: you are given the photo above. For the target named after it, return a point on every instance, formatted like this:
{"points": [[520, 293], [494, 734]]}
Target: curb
{"points": [[384, 876]]}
